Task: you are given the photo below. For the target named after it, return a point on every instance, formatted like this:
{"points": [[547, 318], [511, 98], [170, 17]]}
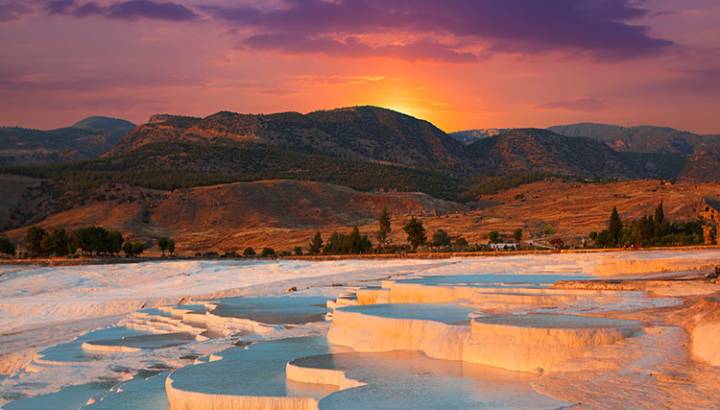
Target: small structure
{"points": [[503, 246], [709, 212]]}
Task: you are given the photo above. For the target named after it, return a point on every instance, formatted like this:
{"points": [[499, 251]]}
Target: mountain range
{"points": [[366, 149], [84, 140]]}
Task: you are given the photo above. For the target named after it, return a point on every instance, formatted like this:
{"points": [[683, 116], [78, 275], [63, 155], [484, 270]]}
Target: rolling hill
{"points": [[523, 151], [469, 136], [647, 139], [84, 140], [359, 133], [236, 178]]}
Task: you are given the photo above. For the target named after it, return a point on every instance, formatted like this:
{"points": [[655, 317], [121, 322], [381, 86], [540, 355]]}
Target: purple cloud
{"points": [[353, 47], [12, 10], [124, 10], [600, 27]]}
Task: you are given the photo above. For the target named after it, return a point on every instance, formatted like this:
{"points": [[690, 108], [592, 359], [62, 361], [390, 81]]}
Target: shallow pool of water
{"points": [[148, 341], [409, 380], [445, 313], [258, 370], [546, 321], [493, 280], [274, 309], [73, 352]]}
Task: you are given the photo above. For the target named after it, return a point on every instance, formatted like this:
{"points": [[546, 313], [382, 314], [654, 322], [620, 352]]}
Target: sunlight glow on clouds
{"points": [[459, 63]]}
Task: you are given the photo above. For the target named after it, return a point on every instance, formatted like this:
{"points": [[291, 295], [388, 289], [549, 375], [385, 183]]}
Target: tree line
{"points": [[355, 243], [649, 230], [86, 241]]}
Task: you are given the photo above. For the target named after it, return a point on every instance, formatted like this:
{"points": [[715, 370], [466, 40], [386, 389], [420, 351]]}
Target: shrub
{"points": [[441, 238], [249, 252], [267, 252], [7, 247], [461, 243], [518, 235]]}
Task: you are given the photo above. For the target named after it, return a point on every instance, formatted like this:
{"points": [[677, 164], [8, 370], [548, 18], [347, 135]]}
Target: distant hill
{"points": [[469, 136], [703, 166], [364, 148], [86, 139], [639, 139], [523, 151], [358, 133]]}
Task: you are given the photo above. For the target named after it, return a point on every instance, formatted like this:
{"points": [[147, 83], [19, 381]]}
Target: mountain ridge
{"points": [[86, 139]]}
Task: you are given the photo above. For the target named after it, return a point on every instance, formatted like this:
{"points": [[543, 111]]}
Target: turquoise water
{"points": [[139, 393], [69, 398], [408, 380], [149, 341], [556, 321], [73, 352], [258, 370], [450, 314], [274, 309]]}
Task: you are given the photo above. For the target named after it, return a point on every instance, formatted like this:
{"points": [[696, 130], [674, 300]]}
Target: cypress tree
{"points": [[316, 244], [415, 233], [385, 228], [615, 226]]}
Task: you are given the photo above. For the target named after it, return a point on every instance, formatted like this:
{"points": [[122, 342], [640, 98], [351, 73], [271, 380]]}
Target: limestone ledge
{"points": [[521, 348]]}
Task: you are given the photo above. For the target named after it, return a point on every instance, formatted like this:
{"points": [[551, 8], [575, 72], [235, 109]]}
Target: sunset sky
{"points": [[458, 63]]}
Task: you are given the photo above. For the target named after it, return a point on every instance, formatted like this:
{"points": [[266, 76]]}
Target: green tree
{"points": [[128, 248], [94, 239], [57, 243], [138, 248], [659, 214], [415, 233], [316, 244], [171, 247], [359, 244], [461, 243], [249, 251], [114, 241], [131, 248], [615, 226], [298, 251], [267, 252], [6, 246], [163, 244], [518, 235], [33, 241], [385, 228], [441, 238], [494, 237]]}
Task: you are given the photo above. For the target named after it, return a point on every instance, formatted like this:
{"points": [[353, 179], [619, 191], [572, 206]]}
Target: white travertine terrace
{"points": [[537, 342], [370, 333], [591, 364], [100, 348], [706, 342], [529, 343], [487, 298], [179, 399], [332, 377]]}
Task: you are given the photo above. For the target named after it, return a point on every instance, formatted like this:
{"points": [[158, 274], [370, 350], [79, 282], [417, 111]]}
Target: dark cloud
{"points": [[124, 10], [354, 47], [601, 27]]}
